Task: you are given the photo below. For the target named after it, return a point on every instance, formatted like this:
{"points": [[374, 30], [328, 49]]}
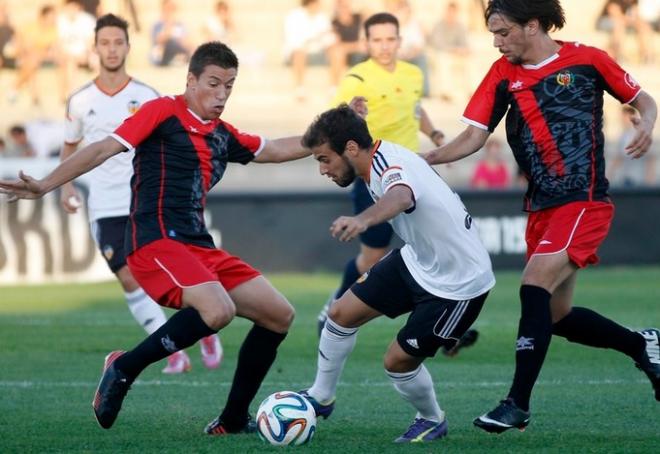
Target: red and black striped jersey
{"points": [[178, 158], [554, 121]]}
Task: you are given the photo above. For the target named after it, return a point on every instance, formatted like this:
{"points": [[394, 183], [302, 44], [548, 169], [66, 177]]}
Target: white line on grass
{"points": [[25, 384]]}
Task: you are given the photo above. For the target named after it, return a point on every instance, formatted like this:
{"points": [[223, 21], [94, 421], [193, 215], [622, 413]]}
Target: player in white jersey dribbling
{"points": [[441, 277], [93, 112]]}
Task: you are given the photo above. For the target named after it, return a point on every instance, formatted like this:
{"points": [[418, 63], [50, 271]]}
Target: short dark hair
{"points": [[212, 53], [381, 18], [110, 20], [336, 127], [17, 129], [549, 13]]}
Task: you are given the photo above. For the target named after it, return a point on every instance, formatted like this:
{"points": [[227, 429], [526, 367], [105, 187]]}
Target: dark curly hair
{"points": [[549, 13], [336, 127]]}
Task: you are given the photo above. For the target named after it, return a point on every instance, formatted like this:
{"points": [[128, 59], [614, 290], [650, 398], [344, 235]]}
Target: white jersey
{"points": [[443, 251], [92, 115]]}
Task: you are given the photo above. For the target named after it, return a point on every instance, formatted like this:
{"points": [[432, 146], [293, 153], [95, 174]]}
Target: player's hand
{"points": [[641, 142], [70, 198], [359, 105], [430, 156], [25, 187], [345, 228]]}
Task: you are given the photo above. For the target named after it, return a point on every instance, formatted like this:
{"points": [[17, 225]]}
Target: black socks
{"points": [[182, 330], [587, 327], [254, 360], [534, 334]]}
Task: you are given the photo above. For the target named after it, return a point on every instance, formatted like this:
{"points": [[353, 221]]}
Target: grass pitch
{"points": [[53, 340]]}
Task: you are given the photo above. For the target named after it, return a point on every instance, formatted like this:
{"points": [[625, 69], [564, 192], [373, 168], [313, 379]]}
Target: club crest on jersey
{"points": [[133, 106], [565, 78], [630, 81], [108, 252]]}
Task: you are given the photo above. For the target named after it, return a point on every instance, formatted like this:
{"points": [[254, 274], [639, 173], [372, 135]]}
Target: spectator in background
{"points": [[308, 38], [413, 41], [75, 31], [20, 145], [619, 16], [170, 40], [491, 172], [449, 38], [350, 49], [6, 39], [3, 148], [219, 26], [36, 45], [91, 7], [625, 171], [649, 11]]}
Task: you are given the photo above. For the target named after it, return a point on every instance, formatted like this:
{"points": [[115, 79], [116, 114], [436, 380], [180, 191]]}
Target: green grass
{"points": [[53, 340]]}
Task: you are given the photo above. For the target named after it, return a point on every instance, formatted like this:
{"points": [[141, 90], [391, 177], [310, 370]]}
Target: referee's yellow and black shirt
{"points": [[393, 99]]}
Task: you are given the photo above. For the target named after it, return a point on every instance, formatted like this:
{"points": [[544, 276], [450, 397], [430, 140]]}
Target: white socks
{"points": [[417, 388], [145, 311], [335, 345]]}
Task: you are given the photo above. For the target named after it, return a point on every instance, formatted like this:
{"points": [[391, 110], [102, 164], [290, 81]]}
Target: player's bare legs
{"points": [[259, 301], [149, 316]]}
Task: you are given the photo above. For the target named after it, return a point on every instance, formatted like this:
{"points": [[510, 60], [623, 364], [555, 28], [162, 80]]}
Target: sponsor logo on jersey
{"points": [[133, 106], [171, 234], [565, 78], [108, 252], [630, 81], [91, 112], [391, 178]]}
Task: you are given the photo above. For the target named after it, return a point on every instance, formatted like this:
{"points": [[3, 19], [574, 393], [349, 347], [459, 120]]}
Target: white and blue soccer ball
{"points": [[286, 418]]}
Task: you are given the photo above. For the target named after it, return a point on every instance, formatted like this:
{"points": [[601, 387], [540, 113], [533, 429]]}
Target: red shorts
{"points": [[577, 228], [165, 267]]}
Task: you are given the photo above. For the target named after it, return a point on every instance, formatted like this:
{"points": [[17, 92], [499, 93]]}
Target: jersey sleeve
{"points": [[618, 82], [391, 172], [136, 128], [489, 102], [73, 125], [242, 147]]}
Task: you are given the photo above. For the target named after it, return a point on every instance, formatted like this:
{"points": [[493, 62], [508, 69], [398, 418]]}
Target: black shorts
{"points": [[378, 236], [434, 322], [109, 234]]}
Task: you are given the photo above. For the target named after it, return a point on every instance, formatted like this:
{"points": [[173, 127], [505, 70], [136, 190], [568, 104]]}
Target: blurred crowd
{"points": [[314, 33]]}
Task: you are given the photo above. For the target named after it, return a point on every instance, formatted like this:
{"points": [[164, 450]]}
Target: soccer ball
{"points": [[286, 418]]}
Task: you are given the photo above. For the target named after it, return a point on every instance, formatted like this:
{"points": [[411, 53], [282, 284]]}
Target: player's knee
{"points": [[286, 316], [278, 319], [220, 315], [338, 315], [396, 363]]}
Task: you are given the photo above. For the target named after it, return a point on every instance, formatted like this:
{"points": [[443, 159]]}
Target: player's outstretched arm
{"points": [[282, 150], [396, 200], [27, 187], [648, 111], [466, 143]]}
